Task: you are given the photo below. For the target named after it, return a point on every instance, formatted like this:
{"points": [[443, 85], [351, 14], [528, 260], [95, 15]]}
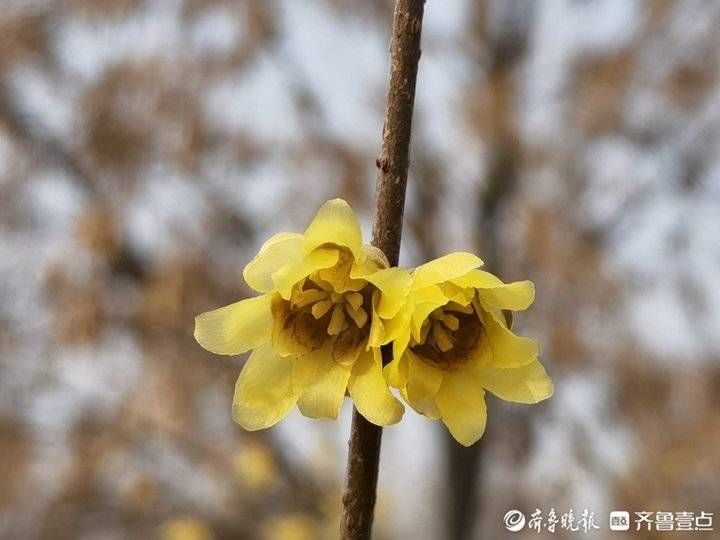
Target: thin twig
{"points": [[365, 438]]}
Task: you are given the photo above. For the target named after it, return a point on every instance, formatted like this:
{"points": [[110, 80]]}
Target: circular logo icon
{"points": [[514, 520]]}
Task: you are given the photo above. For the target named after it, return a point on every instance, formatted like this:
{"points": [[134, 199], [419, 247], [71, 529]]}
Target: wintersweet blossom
{"points": [[452, 341], [309, 329]]}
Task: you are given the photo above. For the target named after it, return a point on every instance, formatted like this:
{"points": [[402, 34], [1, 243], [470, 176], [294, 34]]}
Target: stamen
{"points": [[450, 321], [321, 308], [462, 309], [354, 299], [358, 315], [337, 321], [309, 296], [442, 339], [324, 285]]}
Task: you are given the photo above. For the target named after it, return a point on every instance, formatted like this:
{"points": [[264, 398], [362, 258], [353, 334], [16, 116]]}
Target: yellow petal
{"points": [[396, 372], [401, 342], [425, 301], [394, 285], [377, 331], [264, 391], [370, 392], [376, 255], [461, 402], [338, 278], [526, 384], [444, 268], [305, 367], [286, 277], [426, 407], [383, 331], [424, 380], [505, 349], [323, 396], [374, 260], [335, 223], [515, 296], [280, 250], [236, 328], [478, 279], [457, 294]]}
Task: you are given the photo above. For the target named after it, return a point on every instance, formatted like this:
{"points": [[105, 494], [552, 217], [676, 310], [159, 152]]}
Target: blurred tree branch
{"points": [[504, 51]]}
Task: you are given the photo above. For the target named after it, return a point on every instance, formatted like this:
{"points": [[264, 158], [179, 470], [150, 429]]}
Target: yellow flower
{"points": [[452, 342], [309, 330], [290, 527], [255, 464], [185, 528]]}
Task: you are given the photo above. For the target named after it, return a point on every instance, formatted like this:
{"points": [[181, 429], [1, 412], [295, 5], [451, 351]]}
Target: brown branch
{"points": [[365, 438], [393, 161]]}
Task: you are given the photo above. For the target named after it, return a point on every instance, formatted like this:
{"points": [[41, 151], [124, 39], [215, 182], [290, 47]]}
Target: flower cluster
{"points": [[328, 304]]}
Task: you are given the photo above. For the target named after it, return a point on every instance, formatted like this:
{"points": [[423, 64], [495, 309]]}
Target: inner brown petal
{"points": [[349, 344], [306, 329], [449, 337]]}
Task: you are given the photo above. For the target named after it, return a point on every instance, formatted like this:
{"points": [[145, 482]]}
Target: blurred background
{"points": [[148, 147]]}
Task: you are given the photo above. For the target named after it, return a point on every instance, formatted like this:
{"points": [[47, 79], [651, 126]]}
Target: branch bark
{"points": [[365, 438]]}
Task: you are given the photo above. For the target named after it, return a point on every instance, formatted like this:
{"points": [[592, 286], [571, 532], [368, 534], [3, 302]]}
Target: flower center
{"points": [[325, 306], [449, 336], [333, 311]]}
